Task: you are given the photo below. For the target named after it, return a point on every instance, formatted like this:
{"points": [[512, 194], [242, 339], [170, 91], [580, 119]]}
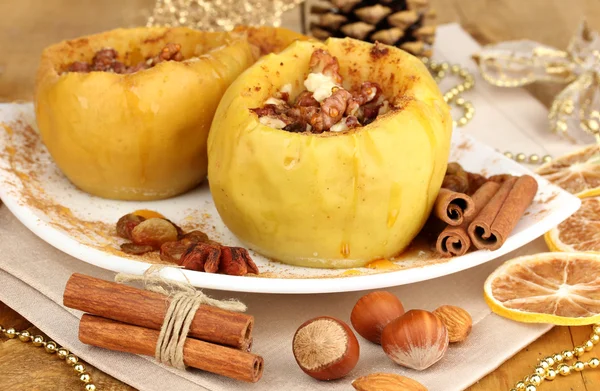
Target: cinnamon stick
{"points": [[109, 334], [454, 240], [147, 309], [490, 229], [452, 207]]}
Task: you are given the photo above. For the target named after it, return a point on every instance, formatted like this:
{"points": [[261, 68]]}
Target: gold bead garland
{"points": [[52, 347], [452, 96], [531, 159], [546, 370]]}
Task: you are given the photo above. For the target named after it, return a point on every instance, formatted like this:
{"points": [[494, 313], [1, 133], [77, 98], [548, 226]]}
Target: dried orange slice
{"points": [[555, 288], [580, 232], [578, 172]]}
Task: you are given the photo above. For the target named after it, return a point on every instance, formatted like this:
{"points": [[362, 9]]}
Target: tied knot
{"points": [[185, 301]]}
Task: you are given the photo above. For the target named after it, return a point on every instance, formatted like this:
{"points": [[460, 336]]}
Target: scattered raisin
{"points": [[154, 232], [136, 249], [173, 251], [127, 223], [196, 237]]}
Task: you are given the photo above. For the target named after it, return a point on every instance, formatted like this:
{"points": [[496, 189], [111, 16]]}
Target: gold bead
{"points": [[520, 157], [468, 115], [531, 387], [72, 359], [564, 369], [445, 66], [463, 73], [38, 340], [62, 353], [549, 360], [468, 85], [433, 65], [535, 380], [455, 91], [460, 101], [463, 121], [90, 387], [578, 366], [50, 346], [551, 375], [520, 386], [425, 60], [547, 159], [85, 377], [540, 371], [567, 355], [558, 358], [454, 124], [534, 159], [10, 333], [25, 336], [79, 368], [441, 74], [595, 338], [508, 154], [455, 68], [578, 351], [544, 364], [594, 363], [588, 345], [460, 88]]}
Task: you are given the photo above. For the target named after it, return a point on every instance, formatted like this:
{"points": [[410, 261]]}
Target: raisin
{"points": [[127, 223], [136, 249], [154, 232], [173, 251], [196, 237]]}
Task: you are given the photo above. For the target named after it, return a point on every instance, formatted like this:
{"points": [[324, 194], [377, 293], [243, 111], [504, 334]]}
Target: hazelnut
{"points": [[417, 340], [457, 321], [325, 348], [373, 312], [387, 382]]}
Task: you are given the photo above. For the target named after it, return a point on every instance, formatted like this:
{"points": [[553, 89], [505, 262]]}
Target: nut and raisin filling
{"points": [[325, 105], [105, 60]]}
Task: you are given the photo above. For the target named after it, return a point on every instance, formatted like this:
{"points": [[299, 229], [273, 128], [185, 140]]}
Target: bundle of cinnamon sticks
{"points": [[127, 319], [480, 211]]}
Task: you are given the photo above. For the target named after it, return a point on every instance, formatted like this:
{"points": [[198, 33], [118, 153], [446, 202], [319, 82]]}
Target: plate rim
{"points": [[320, 285]]}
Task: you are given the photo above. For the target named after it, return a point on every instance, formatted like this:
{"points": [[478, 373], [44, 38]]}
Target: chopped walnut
{"points": [[105, 60], [325, 105], [323, 62]]}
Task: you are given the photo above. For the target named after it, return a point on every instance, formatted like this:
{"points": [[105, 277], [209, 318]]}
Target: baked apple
{"points": [[329, 154], [126, 113]]}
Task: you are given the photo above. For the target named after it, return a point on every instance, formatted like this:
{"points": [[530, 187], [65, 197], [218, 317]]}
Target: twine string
{"points": [[185, 301]]}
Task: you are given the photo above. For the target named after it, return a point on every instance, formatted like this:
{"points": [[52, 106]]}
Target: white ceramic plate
{"points": [[81, 225]]}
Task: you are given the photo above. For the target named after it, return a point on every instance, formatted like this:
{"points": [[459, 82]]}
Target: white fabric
{"points": [[33, 275]]}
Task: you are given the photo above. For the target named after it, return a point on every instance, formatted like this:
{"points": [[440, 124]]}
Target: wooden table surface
{"points": [[29, 25]]}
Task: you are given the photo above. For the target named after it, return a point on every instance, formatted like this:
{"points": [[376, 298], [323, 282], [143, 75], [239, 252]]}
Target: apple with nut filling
{"points": [[329, 154]]}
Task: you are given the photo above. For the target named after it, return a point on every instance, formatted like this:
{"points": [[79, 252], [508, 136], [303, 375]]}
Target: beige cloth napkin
{"points": [[33, 275]]}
